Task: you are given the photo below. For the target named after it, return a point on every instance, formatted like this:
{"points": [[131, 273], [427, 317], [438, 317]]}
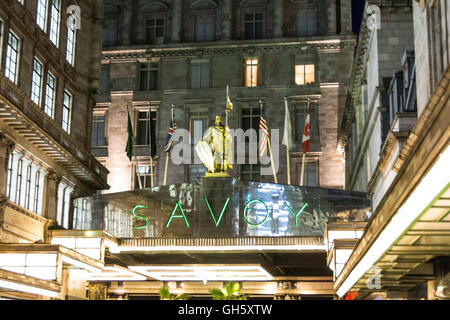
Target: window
{"points": [[36, 82], [36, 198], [254, 26], [304, 74], [1, 41], [49, 104], [98, 138], [28, 188], [110, 30], [196, 172], [154, 31], [204, 28], [55, 17], [12, 57], [146, 130], [66, 111], [10, 175], [19, 181], [197, 127], [310, 174], [307, 22], [251, 72], [41, 14], [145, 174], [250, 118], [300, 115], [71, 39], [200, 74], [251, 172], [62, 215], [149, 76]]}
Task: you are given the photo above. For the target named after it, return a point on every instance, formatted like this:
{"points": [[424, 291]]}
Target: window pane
{"points": [[36, 82], [12, 58], [49, 105], [41, 14], [55, 21]]}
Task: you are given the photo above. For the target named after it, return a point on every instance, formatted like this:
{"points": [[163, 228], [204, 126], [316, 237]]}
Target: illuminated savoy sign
{"points": [[178, 213]]}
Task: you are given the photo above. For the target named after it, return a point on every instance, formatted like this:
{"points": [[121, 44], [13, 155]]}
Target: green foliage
{"points": [[165, 294], [230, 291]]}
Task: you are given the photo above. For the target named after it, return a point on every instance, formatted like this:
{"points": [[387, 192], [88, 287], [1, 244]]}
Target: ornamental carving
{"points": [[254, 3], [204, 4]]}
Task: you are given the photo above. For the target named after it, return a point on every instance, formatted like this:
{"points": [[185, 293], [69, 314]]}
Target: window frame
{"points": [[71, 42], [19, 176], [54, 35], [204, 16], [149, 68], [39, 17], [301, 75], [8, 58], [67, 121], [305, 13], [248, 68], [197, 66], [153, 29], [145, 175], [53, 97], [104, 115], [254, 21], [251, 172], [37, 95]]}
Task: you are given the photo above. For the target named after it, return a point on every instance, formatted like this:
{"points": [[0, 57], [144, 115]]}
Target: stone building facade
{"points": [[184, 53], [49, 73], [395, 132]]}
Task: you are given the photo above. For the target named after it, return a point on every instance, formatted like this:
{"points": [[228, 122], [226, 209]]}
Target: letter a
{"points": [[174, 216]]}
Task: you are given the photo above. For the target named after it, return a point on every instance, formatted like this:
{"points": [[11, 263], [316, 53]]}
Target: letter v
{"points": [[217, 222]]}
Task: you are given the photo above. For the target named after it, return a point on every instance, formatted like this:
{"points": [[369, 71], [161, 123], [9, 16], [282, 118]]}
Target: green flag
{"points": [[129, 148]]}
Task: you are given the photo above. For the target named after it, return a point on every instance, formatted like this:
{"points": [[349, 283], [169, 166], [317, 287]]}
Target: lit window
{"points": [[66, 111], [62, 215], [251, 72], [204, 28], [12, 58], [49, 105], [149, 76], [71, 38], [145, 174], [36, 83], [55, 17], [41, 15], [254, 26], [200, 75], [154, 31], [304, 74]]}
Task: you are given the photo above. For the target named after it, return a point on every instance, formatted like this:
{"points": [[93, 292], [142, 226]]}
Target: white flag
{"points": [[287, 136]]}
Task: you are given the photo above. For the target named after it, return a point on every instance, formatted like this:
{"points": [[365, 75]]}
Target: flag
{"points": [[129, 148], [287, 136], [265, 133], [306, 141], [172, 127]]}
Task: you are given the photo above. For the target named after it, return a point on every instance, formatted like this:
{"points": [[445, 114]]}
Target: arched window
{"points": [[154, 20]]}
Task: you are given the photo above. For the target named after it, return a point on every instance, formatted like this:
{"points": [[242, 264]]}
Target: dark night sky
{"points": [[357, 12]]}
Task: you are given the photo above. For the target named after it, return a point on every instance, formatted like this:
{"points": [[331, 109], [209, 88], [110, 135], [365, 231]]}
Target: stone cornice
{"points": [[231, 48]]}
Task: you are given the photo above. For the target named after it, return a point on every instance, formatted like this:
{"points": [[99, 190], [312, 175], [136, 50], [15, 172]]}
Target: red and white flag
{"points": [[306, 141]]}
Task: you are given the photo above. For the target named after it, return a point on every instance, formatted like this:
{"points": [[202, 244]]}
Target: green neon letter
{"points": [[246, 212], [296, 215], [221, 214], [173, 216], [140, 217]]}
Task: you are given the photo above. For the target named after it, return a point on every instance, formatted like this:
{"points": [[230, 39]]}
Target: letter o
{"points": [[246, 210]]}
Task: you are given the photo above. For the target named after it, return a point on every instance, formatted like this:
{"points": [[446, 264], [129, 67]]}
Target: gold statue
{"points": [[215, 149]]}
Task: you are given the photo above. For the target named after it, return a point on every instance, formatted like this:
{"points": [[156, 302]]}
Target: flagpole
{"points": [[270, 149], [304, 153], [167, 153], [150, 143], [288, 154], [135, 157]]}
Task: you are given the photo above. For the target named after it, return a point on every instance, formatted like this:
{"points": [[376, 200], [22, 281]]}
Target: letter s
{"points": [[140, 217]]}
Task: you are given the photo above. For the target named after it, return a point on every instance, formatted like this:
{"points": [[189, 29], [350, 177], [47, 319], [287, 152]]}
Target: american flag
{"points": [[306, 140], [172, 127], [265, 132]]}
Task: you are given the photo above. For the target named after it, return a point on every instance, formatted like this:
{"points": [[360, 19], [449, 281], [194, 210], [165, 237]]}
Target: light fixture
{"points": [[79, 264], [26, 288], [115, 273], [431, 186]]}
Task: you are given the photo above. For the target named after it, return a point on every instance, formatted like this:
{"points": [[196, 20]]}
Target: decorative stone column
{"points": [[126, 25], [6, 147], [226, 20], [176, 20], [278, 19], [51, 195]]}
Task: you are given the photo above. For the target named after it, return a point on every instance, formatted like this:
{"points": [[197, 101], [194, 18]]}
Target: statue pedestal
{"points": [[217, 175]]}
